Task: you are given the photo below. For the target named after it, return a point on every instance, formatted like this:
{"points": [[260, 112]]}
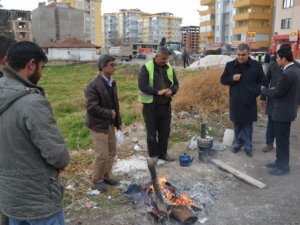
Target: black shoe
{"points": [[279, 172], [235, 149], [101, 186], [249, 154], [166, 158], [272, 165], [111, 182]]}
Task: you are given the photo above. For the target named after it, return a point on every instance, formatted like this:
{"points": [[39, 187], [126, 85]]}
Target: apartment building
{"points": [[152, 28], [190, 38], [223, 21], [16, 24], [92, 19], [128, 21], [287, 25], [207, 24], [253, 23], [134, 27], [110, 31], [56, 21]]}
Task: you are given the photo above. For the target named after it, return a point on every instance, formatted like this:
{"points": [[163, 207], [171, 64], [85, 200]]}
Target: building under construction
{"points": [[16, 24], [190, 38]]}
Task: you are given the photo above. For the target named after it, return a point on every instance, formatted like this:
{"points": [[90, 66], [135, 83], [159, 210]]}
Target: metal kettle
{"points": [[185, 160]]}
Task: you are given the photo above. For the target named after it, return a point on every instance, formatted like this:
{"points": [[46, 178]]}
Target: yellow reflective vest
{"points": [[145, 98]]}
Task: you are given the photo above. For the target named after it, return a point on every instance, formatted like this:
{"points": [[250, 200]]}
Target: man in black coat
{"points": [[244, 77], [271, 79], [285, 94]]}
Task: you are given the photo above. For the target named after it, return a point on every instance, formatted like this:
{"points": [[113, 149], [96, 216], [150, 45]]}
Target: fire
{"points": [[170, 193]]}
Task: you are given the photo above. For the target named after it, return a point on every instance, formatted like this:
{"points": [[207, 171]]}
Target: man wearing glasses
{"points": [[102, 118]]}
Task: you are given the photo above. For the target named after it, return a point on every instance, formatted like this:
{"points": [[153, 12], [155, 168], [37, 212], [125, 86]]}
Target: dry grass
{"points": [[202, 93]]}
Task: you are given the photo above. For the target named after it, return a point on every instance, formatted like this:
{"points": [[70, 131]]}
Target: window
{"points": [[286, 23], [287, 3]]}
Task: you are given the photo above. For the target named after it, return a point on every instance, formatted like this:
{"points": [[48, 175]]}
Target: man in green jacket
{"points": [[157, 85], [32, 149]]}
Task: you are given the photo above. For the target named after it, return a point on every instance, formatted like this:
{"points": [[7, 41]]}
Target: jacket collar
{"points": [[9, 72]]}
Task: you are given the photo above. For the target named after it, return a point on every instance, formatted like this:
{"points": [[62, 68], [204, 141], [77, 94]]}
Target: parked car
{"points": [[140, 56]]}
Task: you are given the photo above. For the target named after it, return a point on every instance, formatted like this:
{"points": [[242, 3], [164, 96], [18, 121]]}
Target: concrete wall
{"points": [[74, 54], [71, 23], [44, 24], [281, 14]]}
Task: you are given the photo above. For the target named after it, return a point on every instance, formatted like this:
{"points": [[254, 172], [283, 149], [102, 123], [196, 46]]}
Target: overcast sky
{"points": [[187, 9]]}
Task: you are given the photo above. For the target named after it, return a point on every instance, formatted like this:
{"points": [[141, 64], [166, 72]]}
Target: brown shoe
{"points": [[268, 148]]}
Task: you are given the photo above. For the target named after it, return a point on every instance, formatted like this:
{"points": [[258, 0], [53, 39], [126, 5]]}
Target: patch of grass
{"points": [[64, 87]]}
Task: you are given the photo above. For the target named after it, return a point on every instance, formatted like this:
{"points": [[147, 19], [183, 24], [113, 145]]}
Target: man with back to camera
{"points": [[32, 149], [157, 84], [102, 117], [285, 96], [5, 44], [244, 77]]}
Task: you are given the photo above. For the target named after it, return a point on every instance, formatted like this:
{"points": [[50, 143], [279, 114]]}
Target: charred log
{"points": [[184, 215], [161, 206]]}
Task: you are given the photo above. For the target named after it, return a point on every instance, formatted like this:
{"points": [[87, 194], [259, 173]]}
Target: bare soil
{"points": [[225, 199]]}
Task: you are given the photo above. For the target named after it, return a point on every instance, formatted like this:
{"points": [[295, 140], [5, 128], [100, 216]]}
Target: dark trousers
{"points": [[270, 136], [157, 119], [185, 63], [282, 134], [243, 135]]}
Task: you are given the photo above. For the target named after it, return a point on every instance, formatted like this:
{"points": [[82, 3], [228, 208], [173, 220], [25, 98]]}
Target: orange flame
{"points": [[173, 198]]}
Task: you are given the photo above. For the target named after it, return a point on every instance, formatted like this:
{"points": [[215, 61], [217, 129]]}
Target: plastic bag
{"points": [[193, 143], [119, 137]]}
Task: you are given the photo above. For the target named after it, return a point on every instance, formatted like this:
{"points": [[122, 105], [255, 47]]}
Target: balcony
{"points": [[243, 30], [207, 34], [252, 16], [244, 3], [207, 23], [208, 2], [207, 12]]}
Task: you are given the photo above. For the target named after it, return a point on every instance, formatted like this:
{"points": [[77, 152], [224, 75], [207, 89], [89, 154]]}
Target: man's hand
{"points": [[162, 91], [237, 77], [113, 116], [168, 93]]}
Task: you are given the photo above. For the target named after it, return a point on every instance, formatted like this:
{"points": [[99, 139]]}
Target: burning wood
{"points": [[178, 206]]}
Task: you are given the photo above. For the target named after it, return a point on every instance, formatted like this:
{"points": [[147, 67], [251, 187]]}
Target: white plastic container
{"points": [[228, 137]]}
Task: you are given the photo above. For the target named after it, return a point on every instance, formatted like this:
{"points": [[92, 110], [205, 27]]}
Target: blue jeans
{"points": [[270, 135], [243, 135], [56, 219]]}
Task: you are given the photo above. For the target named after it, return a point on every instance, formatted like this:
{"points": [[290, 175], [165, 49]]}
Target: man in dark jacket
{"points": [[285, 94], [5, 44], [244, 77], [32, 149], [272, 75], [102, 117], [157, 85]]}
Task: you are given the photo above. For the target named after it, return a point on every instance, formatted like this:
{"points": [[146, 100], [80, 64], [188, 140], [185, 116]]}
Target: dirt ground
{"points": [[228, 200]]}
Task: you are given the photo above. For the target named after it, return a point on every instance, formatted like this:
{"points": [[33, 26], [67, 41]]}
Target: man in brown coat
{"points": [[102, 118]]}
